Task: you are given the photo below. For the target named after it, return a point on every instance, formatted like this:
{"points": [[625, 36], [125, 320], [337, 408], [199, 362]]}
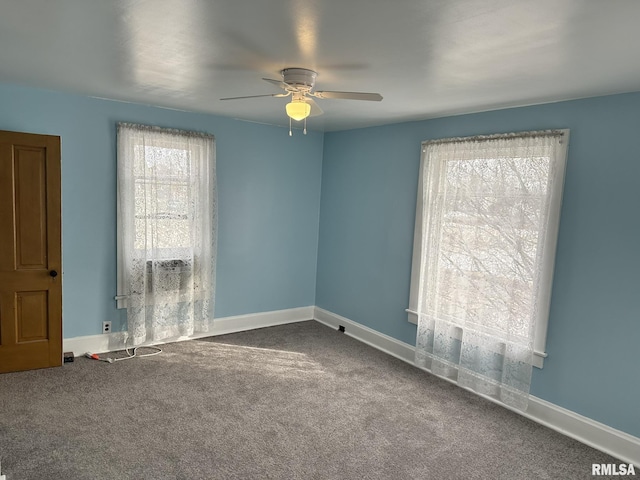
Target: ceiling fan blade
{"points": [[279, 95], [315, 108], [278, 83], [373, 97]]}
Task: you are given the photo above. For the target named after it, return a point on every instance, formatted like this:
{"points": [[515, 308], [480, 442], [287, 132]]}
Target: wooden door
{"points": [[30, 252]]}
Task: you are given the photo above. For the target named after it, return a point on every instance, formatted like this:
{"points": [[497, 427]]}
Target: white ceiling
{"points": [[428, 58]]}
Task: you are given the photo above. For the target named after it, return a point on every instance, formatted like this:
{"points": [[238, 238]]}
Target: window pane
{"points": [[163, 200]]}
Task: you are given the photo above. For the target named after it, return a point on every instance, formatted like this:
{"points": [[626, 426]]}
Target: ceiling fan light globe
{"points": [[298, 110]]}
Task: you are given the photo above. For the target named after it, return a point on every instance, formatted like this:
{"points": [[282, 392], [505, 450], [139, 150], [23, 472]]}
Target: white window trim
{"points": [[540, 335]]}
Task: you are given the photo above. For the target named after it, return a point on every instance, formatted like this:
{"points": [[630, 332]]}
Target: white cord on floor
{"points": [[130, 354], [134, 353]]}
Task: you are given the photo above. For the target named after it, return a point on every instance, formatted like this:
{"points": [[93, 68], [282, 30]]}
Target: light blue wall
{"points": [[268, 199], [369, 184], [269, 208]]}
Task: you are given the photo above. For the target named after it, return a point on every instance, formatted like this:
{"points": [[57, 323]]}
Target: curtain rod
{"points": [[174, 131], [498, 136]]}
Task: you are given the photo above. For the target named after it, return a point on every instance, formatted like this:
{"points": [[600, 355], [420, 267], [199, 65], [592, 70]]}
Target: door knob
{"points": [[53, 273]]}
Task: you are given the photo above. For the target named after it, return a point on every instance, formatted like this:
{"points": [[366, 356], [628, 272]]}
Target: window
{"points": [[486, 228], [166, 228], [162, 192]]}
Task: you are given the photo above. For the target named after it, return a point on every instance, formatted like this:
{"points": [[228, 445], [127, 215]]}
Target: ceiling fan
{"points": [[299, 83]]}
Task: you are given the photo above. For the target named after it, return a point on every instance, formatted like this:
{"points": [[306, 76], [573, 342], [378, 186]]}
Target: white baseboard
{"points": [[221, 326], [367, 335], [93, 344], [590, 432]]}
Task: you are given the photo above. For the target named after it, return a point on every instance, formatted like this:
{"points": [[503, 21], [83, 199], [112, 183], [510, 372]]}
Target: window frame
{"points": [[546, 276]]}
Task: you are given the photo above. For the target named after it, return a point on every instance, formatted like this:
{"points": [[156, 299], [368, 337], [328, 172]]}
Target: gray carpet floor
{"points": [[298, 401]]}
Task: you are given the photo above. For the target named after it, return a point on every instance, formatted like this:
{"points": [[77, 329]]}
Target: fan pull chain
{"points": [[305, 126], [290, 134]]}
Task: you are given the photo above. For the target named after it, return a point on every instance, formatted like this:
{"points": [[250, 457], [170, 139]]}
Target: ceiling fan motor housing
{"points": [[299, 78]]}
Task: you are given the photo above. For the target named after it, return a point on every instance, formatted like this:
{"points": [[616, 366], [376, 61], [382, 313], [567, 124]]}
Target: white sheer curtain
{"points": [[166, 231], [486, 240]]}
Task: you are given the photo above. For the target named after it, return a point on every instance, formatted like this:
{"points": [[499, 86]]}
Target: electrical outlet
{"points": [[106, 327]]}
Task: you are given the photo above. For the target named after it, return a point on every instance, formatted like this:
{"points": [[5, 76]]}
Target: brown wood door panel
{"points": [[30, 204], [30, 249], [31, 316]]}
